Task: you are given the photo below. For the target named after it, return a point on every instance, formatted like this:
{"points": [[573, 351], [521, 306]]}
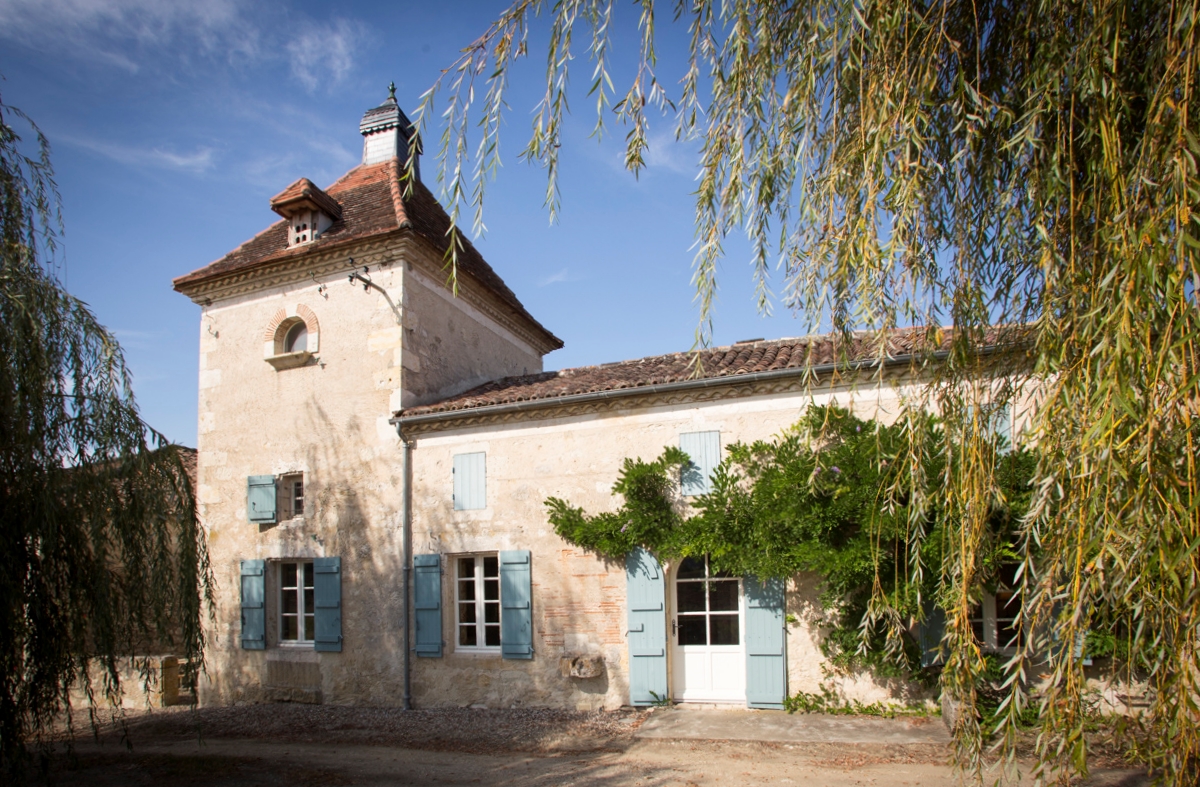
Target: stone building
{"points": [[353, 412]]}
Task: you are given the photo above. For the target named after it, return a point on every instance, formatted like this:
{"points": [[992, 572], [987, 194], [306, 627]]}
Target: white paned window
{"points": [[296, 619], [707, 604], [470, 481], [477, 602], [994, 620]]}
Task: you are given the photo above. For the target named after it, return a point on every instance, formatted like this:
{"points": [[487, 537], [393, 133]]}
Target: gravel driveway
{"points": [[321, 745], [480, 731]]}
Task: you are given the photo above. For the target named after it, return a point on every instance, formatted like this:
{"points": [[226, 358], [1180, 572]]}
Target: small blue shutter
{"points": [[929, 634], [516, 613], [645, 593], [327, 602], [470, 481], [766, 666], [254, 620], [704, 449], [260, 498], [1002, 426], [427, 602]]}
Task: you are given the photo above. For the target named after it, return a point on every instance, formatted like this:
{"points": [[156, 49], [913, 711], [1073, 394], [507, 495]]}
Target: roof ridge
{"points": [[397, 197]]}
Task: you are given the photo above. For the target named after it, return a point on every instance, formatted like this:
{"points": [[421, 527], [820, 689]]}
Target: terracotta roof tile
{"points": [[718, 362], [304, 193], [372, 203]]}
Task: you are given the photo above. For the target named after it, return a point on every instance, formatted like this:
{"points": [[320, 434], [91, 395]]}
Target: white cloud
{"points": [[197, 160], [323, 55], [665, 152], [113, 31], [555, 278]]}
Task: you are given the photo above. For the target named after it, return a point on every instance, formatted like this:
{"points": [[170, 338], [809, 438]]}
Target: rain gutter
{"points": [[406, 546]]}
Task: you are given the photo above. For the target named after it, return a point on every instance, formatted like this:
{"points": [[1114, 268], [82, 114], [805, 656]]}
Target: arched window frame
{"points": [[276, 333]]}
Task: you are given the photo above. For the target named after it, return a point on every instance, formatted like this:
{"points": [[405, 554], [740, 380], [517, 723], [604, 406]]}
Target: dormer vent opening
{"points": [[309, 212], [307, 226]]}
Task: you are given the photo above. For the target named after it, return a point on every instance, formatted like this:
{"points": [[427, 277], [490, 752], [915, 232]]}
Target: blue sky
{"points": [[172, 124]]}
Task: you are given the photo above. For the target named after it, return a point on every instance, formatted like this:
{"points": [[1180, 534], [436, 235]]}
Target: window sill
{"points": [[477, 653], [290, 360], [292, 652], [291, 646]]}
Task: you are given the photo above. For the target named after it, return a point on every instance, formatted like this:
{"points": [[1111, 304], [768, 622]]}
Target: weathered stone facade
{"points": [[392, 338], [579, 600]]}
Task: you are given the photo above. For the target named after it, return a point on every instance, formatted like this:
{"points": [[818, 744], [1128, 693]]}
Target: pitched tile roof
{"points": [[372, 203], [718, 362]]}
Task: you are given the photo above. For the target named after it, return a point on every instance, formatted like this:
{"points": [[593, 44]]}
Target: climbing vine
{"points": [[827, 496]]}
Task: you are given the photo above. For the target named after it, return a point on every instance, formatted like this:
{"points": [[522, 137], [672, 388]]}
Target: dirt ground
{"points": [[300, 746]]}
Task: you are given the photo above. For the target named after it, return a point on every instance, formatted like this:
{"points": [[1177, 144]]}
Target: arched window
{"points": [[291, 337], [296, 340]]}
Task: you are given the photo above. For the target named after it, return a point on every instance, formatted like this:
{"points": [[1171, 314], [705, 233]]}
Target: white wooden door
{"points": [[708, 658]]}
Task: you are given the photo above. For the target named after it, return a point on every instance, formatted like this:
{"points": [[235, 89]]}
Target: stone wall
{"points": [[450, 345], [403, 341], [579, 600], [328, 419]]}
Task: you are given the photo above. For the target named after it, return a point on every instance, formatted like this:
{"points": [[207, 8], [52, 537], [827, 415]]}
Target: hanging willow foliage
{"points": [[1021, 170], [103, 559]]}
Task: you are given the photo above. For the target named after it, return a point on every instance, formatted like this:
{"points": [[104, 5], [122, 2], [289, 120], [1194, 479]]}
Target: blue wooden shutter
{"points": [[260, 498], [766, 665], [704, 449], [1002, 425], [254, 619], [929, 634], [516, 613], [645, 594], [327, 602], [470, 481], [427, 603]]}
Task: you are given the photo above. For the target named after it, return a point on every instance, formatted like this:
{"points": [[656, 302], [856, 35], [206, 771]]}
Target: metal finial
{"points": [[392, 91]]}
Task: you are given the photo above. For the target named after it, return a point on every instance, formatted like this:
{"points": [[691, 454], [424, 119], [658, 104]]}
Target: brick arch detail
{"points": [[273, 325], [285, 315], [309, 317]]}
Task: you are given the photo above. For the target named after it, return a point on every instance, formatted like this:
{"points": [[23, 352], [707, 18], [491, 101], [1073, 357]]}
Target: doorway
{"points": [[708, 652]]}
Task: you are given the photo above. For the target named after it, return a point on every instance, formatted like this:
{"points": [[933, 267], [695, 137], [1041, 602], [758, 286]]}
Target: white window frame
{"points": [[480, 603], [302, 612], [987, 615], [286, 498]]}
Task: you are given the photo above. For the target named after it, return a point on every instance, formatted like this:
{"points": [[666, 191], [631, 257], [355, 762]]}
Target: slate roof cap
{"points": [[386, 115]]}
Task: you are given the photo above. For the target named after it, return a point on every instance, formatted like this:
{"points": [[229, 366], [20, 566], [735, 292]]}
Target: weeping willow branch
{"points": [[103, 557], [1022, 171]]}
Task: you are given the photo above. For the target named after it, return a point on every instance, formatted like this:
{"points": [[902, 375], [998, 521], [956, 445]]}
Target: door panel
{"points": [[708, 657]]}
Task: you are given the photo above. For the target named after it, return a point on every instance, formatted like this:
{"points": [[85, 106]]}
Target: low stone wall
{"points": [[145, 682]]}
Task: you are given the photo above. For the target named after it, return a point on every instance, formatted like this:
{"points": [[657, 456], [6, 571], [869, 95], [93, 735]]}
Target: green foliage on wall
{"points": [[827, 496]]}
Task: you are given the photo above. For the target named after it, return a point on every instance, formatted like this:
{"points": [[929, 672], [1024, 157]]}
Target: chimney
{"points": [[387, 133]]}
